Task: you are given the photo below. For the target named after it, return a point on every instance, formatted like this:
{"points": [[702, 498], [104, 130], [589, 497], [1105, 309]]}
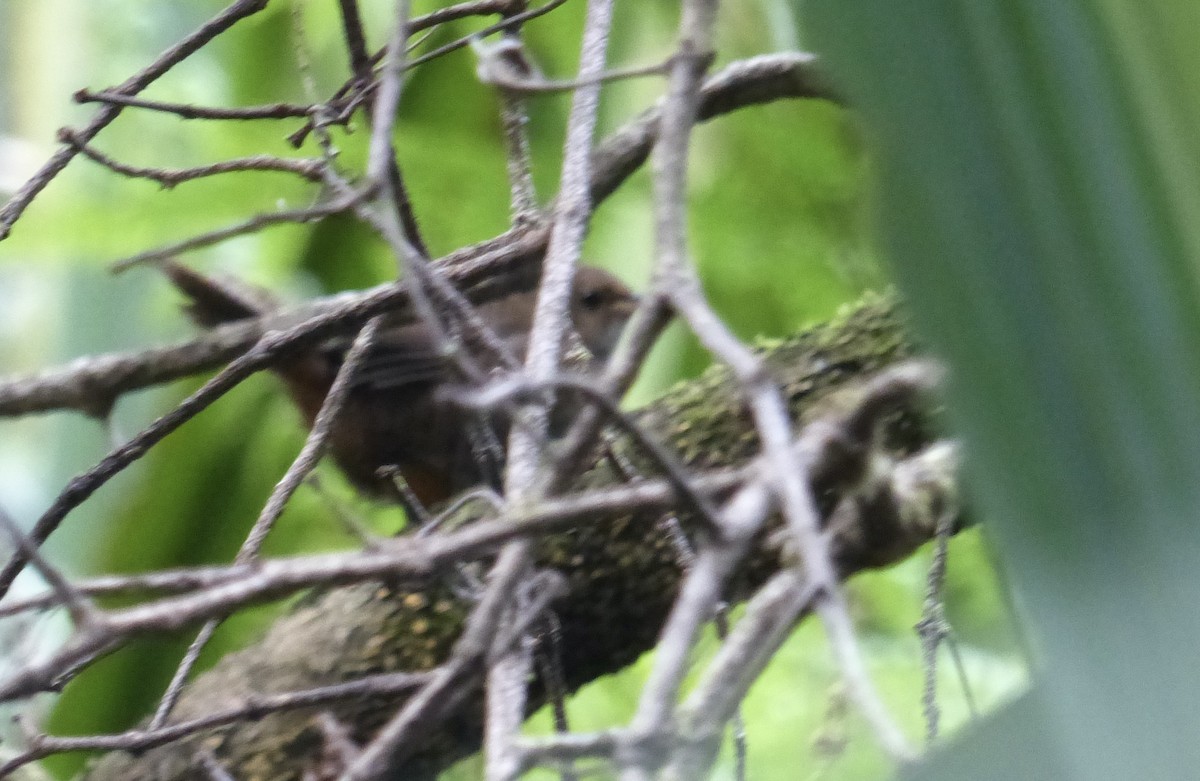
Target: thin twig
{"points": [[451, 681], [170, 177], [557, 749], [508, 672], [91, 384], [350, 521], [511, 563], [548, 657], [513, 115], [641, 333], [387, 98], [460, 11], [541, 86], [83, 613], [314, 447], [230, 16], [356, 42], [479, 538], [527, 437], [255, 706], [316, 442], [572, 213], [83, 486], [211, 767], [338, 740], [698, 597], [187, 111], [766, 404], [933, 628], [769, 618], [677, 475], [361, 66], [251, 225], [506, 23]]}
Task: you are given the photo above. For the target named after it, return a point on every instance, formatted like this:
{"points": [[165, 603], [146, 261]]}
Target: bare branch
{"points": [[455, 654], [691, 500], [314, 447], [251, 225], [434, 550], [90, 384], [254, 707], [675, 272], [527, 438], [168, 178], [83, 486], [83, 613], [185, 111], [414, 623], [232, 14]]}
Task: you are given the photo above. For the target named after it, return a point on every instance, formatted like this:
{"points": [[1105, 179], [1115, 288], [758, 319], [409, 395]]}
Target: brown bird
{"points": [[395, 415]]}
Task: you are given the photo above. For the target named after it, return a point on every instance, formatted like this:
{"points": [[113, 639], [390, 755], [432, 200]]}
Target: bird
{"points": [[397, 417]]}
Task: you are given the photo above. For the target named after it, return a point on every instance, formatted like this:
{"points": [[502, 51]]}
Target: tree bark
{"points": [[622, 575]]}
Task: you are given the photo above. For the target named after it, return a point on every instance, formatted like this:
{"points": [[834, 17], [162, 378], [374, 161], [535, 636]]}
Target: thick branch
{"points": [[622, 572]]}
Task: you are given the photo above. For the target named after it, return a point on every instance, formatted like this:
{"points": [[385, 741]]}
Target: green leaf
{"points": [[1039, 205]]}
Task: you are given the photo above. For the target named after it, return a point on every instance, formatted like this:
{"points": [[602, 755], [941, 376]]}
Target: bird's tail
{"points": [[213, 301]]}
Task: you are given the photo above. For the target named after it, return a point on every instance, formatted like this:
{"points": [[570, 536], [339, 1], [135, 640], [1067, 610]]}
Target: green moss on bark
{"points": [[622, 575]]}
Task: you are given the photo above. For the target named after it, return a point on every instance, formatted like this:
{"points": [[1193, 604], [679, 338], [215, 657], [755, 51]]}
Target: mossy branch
{"points": [[621, 573]]}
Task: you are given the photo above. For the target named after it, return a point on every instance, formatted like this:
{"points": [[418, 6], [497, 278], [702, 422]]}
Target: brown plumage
{"points": [[394, 414]]}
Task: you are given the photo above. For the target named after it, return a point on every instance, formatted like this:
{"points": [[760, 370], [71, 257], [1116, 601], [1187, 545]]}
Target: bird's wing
{"points": [[400, 357]]}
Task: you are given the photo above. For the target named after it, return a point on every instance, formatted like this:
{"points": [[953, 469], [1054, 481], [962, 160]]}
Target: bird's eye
{"points": [[591, 299]]}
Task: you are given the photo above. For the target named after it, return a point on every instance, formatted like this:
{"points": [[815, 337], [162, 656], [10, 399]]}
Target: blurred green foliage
{"points": [[1040, 200], [779, 227]]}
